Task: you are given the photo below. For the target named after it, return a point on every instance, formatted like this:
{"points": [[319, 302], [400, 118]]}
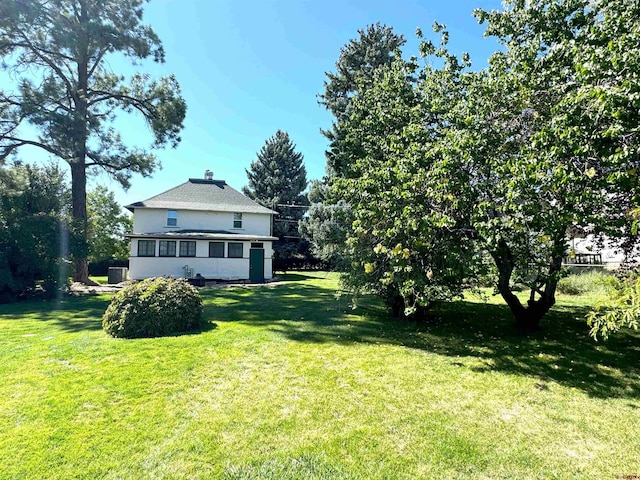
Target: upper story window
{"points": [[237, 220], [172, 218]]}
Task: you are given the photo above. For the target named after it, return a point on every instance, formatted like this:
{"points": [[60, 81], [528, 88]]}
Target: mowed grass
{"points": [[286, 382]]}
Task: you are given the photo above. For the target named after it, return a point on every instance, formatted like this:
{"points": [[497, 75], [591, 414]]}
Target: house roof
{"points": [[203, 235], [199, 194]]}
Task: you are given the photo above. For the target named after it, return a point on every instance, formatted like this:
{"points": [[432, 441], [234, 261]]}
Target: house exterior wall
{"points": [[211, 268], [612, 255], [146, 220]]}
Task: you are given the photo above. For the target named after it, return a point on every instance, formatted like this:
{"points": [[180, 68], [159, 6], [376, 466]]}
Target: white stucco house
{"points": [[588, 251], [201, 227]]}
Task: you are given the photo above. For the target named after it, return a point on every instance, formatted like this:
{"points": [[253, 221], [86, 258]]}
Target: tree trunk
{"points": [[527, 319], [78, 164], [79, 213]]}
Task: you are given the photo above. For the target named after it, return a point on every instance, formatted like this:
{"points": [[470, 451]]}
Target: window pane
{"points": [[235, 250], [167, 248], [216, 249], [237, 220], [146, 248], [172, 218], [188, 249]]}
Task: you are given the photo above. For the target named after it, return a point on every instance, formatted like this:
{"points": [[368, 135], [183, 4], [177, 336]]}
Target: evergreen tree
{"points": [[65, 97], [278, 178], [359, 60]]}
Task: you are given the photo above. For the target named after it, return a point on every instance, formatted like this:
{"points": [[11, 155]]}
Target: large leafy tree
{"points": [[400, 243], [107, 226], [277, 180], [65, 91], [502, 163], [33, 209], [328, 219], [570, 74]]}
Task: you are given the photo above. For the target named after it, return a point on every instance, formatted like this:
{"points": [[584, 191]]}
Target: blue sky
{"points": [[247, 69]]}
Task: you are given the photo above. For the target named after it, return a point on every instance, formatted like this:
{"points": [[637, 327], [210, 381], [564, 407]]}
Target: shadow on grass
{"points": [[293, 277], [71, 314], [561, 352], [74, 314]]}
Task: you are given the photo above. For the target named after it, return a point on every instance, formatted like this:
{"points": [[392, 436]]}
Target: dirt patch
{"points": [[78, 288]]}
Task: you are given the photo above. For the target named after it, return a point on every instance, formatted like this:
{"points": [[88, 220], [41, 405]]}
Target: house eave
{"points": [[189, 206], [203, 236]]}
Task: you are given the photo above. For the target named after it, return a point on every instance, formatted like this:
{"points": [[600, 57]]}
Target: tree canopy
{"points": [[325, 226], [277, 180], [449, 168], [58, 51], [107, 226], [33, 238]]}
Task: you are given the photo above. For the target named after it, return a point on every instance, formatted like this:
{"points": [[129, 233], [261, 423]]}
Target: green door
{"points": [[256, 265]]}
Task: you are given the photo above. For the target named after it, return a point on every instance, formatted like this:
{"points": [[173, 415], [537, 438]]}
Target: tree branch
{"points": [[19, 142], [48, 62], [141, 105], [97, 61]]}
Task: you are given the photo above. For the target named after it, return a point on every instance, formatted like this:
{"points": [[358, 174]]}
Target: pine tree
{"points": [[60, 94], [329, 218], [278, 178]]}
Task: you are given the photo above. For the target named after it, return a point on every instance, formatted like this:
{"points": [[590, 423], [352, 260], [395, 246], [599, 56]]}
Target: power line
{"points": [[291, 206]]}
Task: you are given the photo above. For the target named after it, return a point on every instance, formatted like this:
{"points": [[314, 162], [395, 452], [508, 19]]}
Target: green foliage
{"points": [[621, 309], [107, 226], [397, 243], [448, 167], [33, 235], [594, 281], [278, 178], [57, 53], [329, 218], [357, 62], [325, 224], [153, 308]]}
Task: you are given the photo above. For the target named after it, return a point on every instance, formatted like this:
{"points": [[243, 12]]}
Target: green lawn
{"points": [[289, 383]]}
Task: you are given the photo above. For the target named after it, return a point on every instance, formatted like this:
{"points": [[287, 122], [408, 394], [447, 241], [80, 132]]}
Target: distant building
{"points": [[587, 251], [201, 227]]}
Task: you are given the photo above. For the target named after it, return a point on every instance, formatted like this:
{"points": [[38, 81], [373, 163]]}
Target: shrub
{"points": [[152, 308], [593, 281]]}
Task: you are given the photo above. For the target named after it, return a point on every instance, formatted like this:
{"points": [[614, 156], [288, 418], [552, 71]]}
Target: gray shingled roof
{"points": [[198, 194]]}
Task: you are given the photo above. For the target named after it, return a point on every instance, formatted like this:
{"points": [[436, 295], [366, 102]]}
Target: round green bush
{"points": [[152, 308]]}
